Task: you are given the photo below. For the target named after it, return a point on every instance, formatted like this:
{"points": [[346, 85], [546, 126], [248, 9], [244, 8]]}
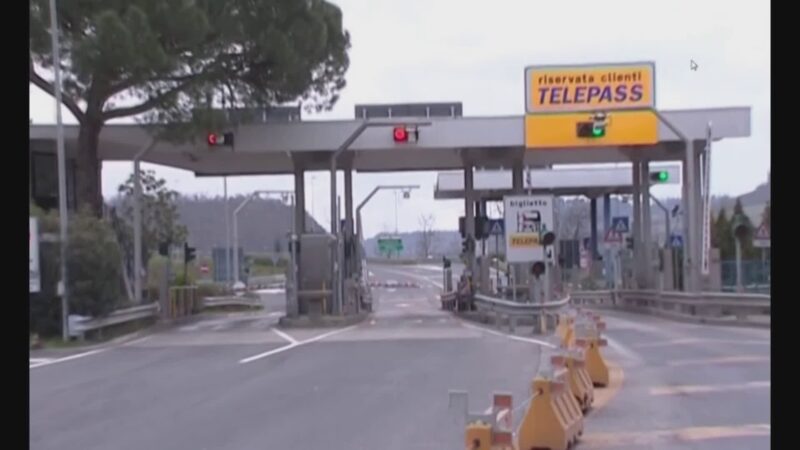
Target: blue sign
{"points": [[496, 227], [676, 241], [620, 224]]}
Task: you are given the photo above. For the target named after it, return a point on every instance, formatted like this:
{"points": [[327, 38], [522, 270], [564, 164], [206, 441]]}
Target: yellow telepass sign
{"points": [[524, 240], [544, 131], [603, 87]]}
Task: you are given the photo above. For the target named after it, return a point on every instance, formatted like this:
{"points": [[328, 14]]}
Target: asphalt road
{"points": [[230, 381], [685, 386]]}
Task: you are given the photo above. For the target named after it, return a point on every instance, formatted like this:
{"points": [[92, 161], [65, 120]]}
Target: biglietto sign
{"points": [[578, 88]]}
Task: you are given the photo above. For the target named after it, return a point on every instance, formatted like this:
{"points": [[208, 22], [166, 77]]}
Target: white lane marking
{"points": [[275, 314], [328, 334], [418, 321], [623, 350], [702, 389], [269, 353], [418, 277], [401, 305], [67, 358], [510, 336], [38, 360], [391, 290], [296, 344], [285, 336], [432, 268]]}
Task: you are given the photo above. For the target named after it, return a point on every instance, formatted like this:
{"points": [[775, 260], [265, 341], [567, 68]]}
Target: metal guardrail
{"points": [[708, 307], [79, 325], [518, 313]]}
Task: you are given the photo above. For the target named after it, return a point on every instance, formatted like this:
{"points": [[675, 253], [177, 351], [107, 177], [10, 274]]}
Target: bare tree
{"points": [[426, 222], [574, 217]]}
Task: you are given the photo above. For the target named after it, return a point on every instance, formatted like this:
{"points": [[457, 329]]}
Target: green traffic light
{"points": [[598, 132], [663, 175]]}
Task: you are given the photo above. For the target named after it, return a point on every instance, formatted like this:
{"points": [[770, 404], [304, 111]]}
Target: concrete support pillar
{"points": [[482, 212], [690, 236], [699, 147], [516, 177], [593, 227], [636, 220], [469, 214], [300, 198], [647, 238], [348, 201], [349, 245]]}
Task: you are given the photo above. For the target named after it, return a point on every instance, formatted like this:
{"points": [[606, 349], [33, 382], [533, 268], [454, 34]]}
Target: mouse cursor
{"points": [[692, 65]]}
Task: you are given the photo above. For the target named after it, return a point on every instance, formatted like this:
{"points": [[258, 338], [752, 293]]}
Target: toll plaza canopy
{"points": [[494, 184], [443, 144]]}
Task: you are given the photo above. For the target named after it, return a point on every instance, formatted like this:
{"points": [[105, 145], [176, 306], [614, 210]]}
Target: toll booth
{"points": [[452, 142]]}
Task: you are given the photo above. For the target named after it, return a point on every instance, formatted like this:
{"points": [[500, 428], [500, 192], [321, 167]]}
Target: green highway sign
{"points": [[390, 245]]}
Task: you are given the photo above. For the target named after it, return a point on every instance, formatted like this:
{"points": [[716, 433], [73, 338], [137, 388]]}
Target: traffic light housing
{"points": [[163, 248], [591, 129], [188, 253], [538, 268], [659, 176], [481, 227], [741, 227], [220, 140], [403, 134], [548, 238], [467, 245]]}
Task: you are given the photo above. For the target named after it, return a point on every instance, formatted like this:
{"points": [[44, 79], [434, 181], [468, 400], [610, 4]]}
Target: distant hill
{"points": [[261, 223]]}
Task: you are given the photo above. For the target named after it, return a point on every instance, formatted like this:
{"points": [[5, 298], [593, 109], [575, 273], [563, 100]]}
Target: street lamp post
{"points": [[406, 189], [62, 172], [666, 218], [137, 221], [284, 194]]}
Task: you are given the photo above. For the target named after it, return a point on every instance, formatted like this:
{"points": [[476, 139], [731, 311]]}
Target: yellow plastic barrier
{"points": [[565, 331], [578, 380], [595, 364], [553, 419], [478, 436]]}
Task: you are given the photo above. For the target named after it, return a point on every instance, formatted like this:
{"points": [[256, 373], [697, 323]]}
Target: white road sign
{"points": [[33, 255], [762, 238], [527, 218]]}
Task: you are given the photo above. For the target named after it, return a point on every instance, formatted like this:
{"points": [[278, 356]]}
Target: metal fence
{"points": [[755, 275]]}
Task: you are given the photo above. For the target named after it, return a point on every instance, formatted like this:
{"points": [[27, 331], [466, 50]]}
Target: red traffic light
{"points": [[216, 139], [400, 134]]}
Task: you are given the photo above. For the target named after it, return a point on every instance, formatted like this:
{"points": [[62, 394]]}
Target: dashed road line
{"points": [[649, 438], [704, 389], [721, 360]]}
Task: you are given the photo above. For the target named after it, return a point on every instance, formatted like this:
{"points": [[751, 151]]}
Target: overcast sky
{"points": [[475, 52]]}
